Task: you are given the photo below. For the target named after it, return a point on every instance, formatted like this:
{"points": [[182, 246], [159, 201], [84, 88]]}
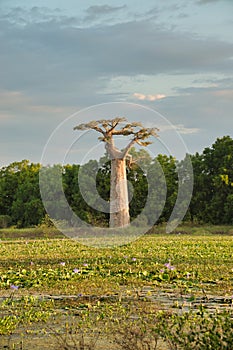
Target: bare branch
{"points": [[91, 125], [115, 122], [141, 143], [128, 147]]}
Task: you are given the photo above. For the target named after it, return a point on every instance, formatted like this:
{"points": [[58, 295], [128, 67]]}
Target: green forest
{"points": [[212, 200]]}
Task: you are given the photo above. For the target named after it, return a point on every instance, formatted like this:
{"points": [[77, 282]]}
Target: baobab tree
{"points": [[119, 203]]}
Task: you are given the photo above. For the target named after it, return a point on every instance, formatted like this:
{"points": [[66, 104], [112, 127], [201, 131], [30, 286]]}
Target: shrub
{"points": [[5, 221]]}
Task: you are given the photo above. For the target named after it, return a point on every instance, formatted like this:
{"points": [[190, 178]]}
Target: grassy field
{"points": [[55, 288]]}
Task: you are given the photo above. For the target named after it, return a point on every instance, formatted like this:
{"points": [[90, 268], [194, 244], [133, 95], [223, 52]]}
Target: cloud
{"points": [[186, 131], [207, 1], [143, 97], [97, 11], [18, 101], [201, 109], [180, 128], [212, 90], [52, 65], [57, 62], [20, 15], [5, 116], [216, 82], [224, 93], [104, 9], [13, 98], [203, 2]]}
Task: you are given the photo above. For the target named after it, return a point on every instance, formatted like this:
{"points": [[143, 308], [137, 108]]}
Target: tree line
{"points": [[212, 199]]}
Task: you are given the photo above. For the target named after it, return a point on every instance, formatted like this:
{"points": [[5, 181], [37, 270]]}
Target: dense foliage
{"points": [[212, 200]]}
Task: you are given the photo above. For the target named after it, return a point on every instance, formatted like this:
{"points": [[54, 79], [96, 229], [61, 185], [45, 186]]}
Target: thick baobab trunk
{"points": [[119, 206]]}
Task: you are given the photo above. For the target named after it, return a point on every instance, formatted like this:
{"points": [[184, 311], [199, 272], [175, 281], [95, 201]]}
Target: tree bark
{"points": [[119, 204]]}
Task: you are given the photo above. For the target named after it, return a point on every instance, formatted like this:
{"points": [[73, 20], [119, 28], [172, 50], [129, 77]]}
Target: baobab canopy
{"points": [[109, 128]]}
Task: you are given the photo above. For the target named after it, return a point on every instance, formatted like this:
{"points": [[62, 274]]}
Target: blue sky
{"points": [[59, 57]]}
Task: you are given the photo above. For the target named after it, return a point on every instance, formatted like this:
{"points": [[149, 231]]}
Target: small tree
{"points": [[119, 204]]}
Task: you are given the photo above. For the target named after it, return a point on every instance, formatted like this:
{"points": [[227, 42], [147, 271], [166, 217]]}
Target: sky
{"points": [[58, 59]]}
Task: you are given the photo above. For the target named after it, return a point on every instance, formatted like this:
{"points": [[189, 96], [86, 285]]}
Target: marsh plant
{"points": [[136, 337], [75, 338], [23, 311], [199, 330]]}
